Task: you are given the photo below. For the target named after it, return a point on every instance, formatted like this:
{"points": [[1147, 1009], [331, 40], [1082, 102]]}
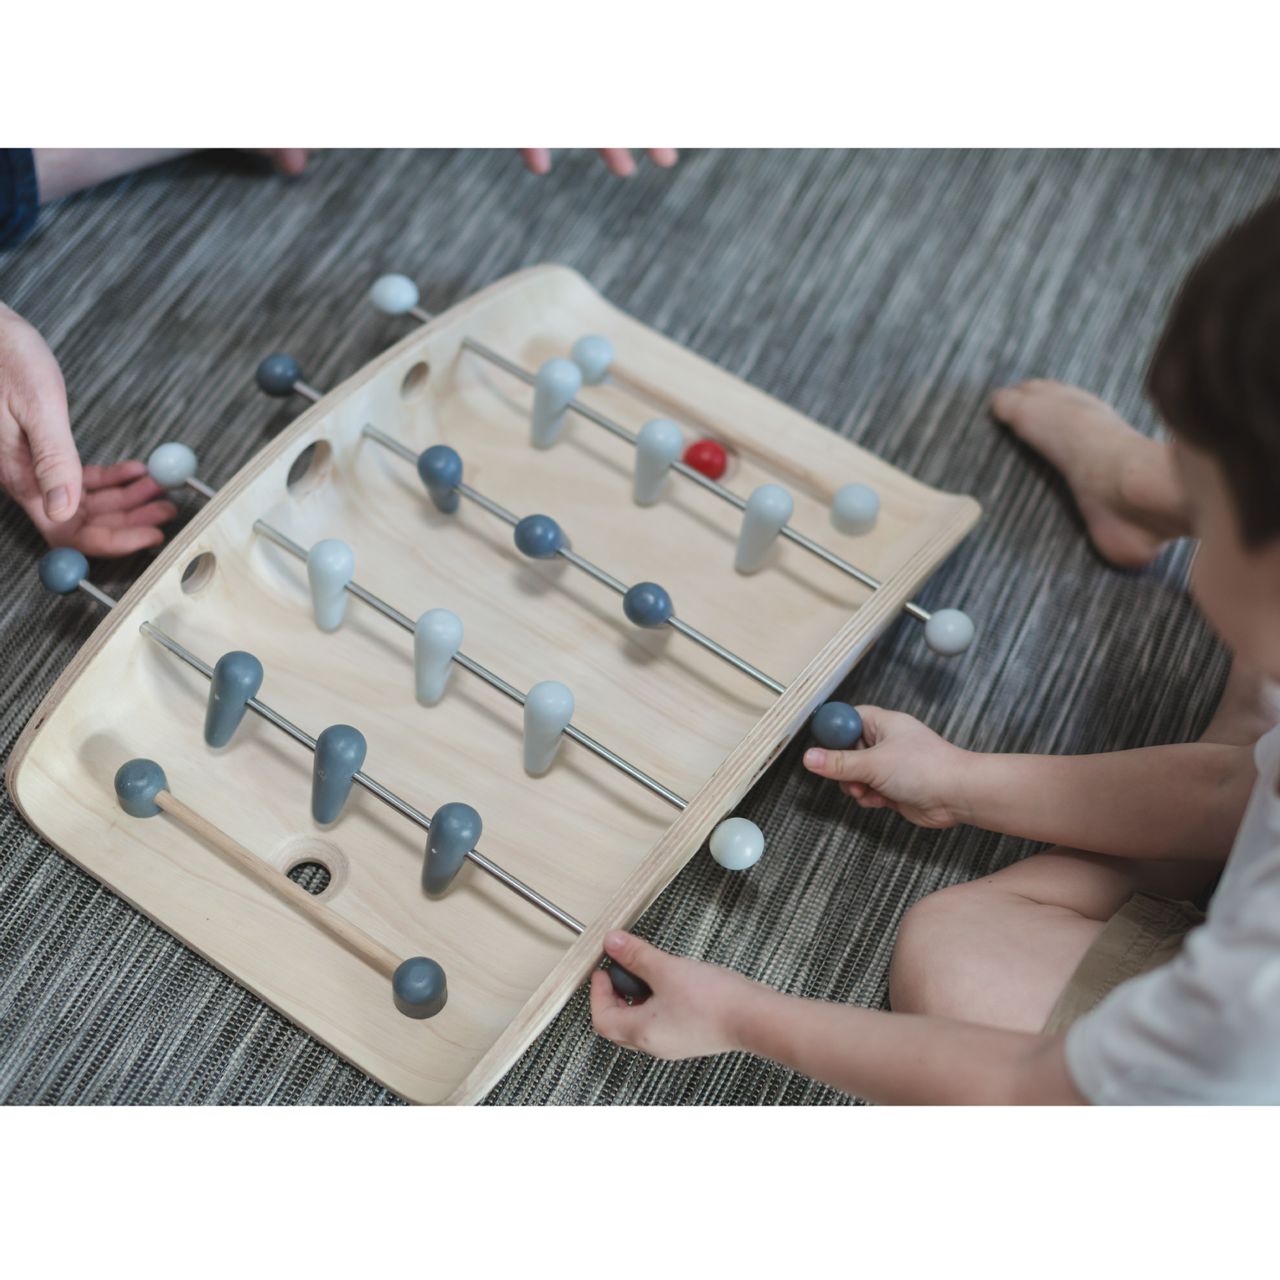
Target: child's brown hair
{"points": [[1215, 375]]}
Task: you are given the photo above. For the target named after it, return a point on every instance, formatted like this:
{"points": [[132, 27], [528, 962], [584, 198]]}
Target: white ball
{"points": [[949, 632], [394, 295], [593, 355], [737, 844], [172, 465], [854, 508]]}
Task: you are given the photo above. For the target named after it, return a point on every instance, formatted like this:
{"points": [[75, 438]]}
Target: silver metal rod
{"points": [[581, 562], [493, 508], [712, 486], [307, 390], [389, 442], [372, 785], [615, 584], [95, 594], [197, 485], [406, 623]]}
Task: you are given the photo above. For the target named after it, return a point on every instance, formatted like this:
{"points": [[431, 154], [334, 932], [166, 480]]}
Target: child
{"points": [[1079, 976]]}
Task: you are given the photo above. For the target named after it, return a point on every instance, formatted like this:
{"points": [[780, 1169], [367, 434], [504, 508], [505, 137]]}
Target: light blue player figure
{"points": [[558, 382], [437, 637], [657, 446], [548, 709], [331, 565], [768, 509]]}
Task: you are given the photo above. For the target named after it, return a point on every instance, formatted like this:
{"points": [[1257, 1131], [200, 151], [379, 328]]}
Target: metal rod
{"points": [[374, 787], [712, 486], [390, 442], [197, 485], [95, 594], [581, 562], [406, 623]]}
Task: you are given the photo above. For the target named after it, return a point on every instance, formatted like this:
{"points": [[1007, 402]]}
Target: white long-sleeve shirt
{"points": [[1204, 1028]]}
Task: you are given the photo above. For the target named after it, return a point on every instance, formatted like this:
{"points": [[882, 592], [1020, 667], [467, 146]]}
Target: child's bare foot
{"points": [[1124, 483]]}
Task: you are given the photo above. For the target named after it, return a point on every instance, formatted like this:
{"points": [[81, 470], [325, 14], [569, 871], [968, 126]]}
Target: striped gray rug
{"points": [[882, 293]]}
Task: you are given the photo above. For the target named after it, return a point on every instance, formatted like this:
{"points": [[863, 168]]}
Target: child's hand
{"points": [[899, 765], [102, 511], [618, 160], [693, 1011]]}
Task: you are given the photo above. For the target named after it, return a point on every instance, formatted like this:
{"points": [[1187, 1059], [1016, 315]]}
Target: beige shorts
{"points": [[1145, 933]]}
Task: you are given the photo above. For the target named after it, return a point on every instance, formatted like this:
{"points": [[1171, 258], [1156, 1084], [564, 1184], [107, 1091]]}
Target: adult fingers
{"points": [[663, 157], [536, 159], [618, 160], [99, 502], [117, 473], [149, 513], [54, 460], [290, 160], [1004, 403], [104, 540]]}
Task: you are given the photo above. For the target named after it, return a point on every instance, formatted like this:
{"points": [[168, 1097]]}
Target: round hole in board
{"points": [[198, 573], [308, 470], [318, 865], [415, 381], [311, 875]]}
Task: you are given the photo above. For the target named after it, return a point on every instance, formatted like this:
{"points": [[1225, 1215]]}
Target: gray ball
{"points": [[419, 987], [836, 726], [278, 374], [626, 984], [137, 784], [62, 570], [538, 537], [648, 605]]}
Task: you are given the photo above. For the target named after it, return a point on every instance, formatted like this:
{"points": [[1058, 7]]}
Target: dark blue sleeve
{"points": [[19, 199]]}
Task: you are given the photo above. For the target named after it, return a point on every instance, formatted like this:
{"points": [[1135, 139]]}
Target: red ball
{"points": [[707, 456]]}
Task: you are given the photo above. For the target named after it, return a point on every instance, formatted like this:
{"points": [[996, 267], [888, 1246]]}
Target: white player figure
{"points": [[657, 446], [437, 637], [548, 709], [331, 565], [768, 508]]}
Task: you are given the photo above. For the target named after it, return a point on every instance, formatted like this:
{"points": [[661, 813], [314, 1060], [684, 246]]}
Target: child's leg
{"points": [[1000, 950], [1124, 483]]}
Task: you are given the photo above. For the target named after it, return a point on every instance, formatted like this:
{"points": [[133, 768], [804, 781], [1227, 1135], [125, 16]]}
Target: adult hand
{"points": [[102, 511]]}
